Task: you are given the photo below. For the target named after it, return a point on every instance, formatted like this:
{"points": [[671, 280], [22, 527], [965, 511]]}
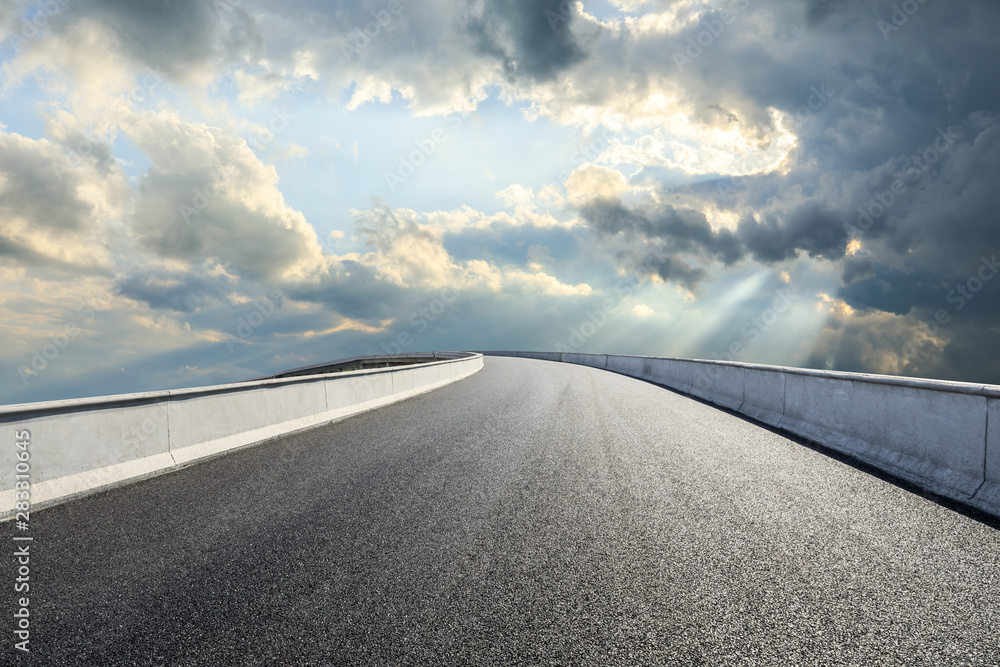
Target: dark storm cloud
{"points": [[182, 292], [940, 225], [19, 254], [971, 355], [857, 268], [892, 291], [889, 93], [656, 261], [531, 38], [662, 241], [355, 291], [682, 230], [810, 228], [81, 148], [934, 267], [894, 85], [32, 189], [173, 36], [963, 348], [818, 10]]}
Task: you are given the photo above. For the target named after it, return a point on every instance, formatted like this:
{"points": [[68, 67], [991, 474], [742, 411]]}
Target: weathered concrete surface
{"points": [[764, 395], [818, 408], [592, 360], [729, 384], [205, 425], [935, 439], [703, 379], [625, 365], [988, 496], [131, 444], [543, 356]]}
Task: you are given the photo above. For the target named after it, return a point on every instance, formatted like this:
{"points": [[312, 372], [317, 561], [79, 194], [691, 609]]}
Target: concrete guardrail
{"points": [[78, 447], [943, 437]]}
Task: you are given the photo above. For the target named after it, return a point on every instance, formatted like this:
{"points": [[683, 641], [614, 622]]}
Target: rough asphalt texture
{"points": [[534, 514]]}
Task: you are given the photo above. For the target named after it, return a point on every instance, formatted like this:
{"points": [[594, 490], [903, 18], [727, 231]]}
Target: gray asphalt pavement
{"points": [[533, 514]]}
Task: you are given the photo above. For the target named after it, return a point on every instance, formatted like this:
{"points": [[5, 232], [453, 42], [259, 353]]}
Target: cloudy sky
{"points": [[193, 192]]}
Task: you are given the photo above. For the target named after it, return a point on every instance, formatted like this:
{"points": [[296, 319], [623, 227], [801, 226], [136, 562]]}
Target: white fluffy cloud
{"points": [[207, 196], [57, 208]]}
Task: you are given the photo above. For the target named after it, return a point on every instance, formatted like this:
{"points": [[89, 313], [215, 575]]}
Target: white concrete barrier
{"points": [[988, 496], [544, 356], [941, 436], [729, 386], [207, 424], [377, 388], [81, 446], [703, 379], [84, 451], [662, 371], [763, 395], [625, 365], [639, 367], [672, 373], [594, 360], [403, 384], [931, 434], [819, 408]]}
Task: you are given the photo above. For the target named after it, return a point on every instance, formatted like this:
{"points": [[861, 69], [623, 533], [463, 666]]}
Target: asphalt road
{"points": [[533, 514]]}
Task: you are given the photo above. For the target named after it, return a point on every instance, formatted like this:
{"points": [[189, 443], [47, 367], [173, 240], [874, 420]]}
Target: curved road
{"points": [[533, 514]]}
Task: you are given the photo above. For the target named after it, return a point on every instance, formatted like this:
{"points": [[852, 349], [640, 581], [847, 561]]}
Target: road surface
{"points": [[534, 514]]}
